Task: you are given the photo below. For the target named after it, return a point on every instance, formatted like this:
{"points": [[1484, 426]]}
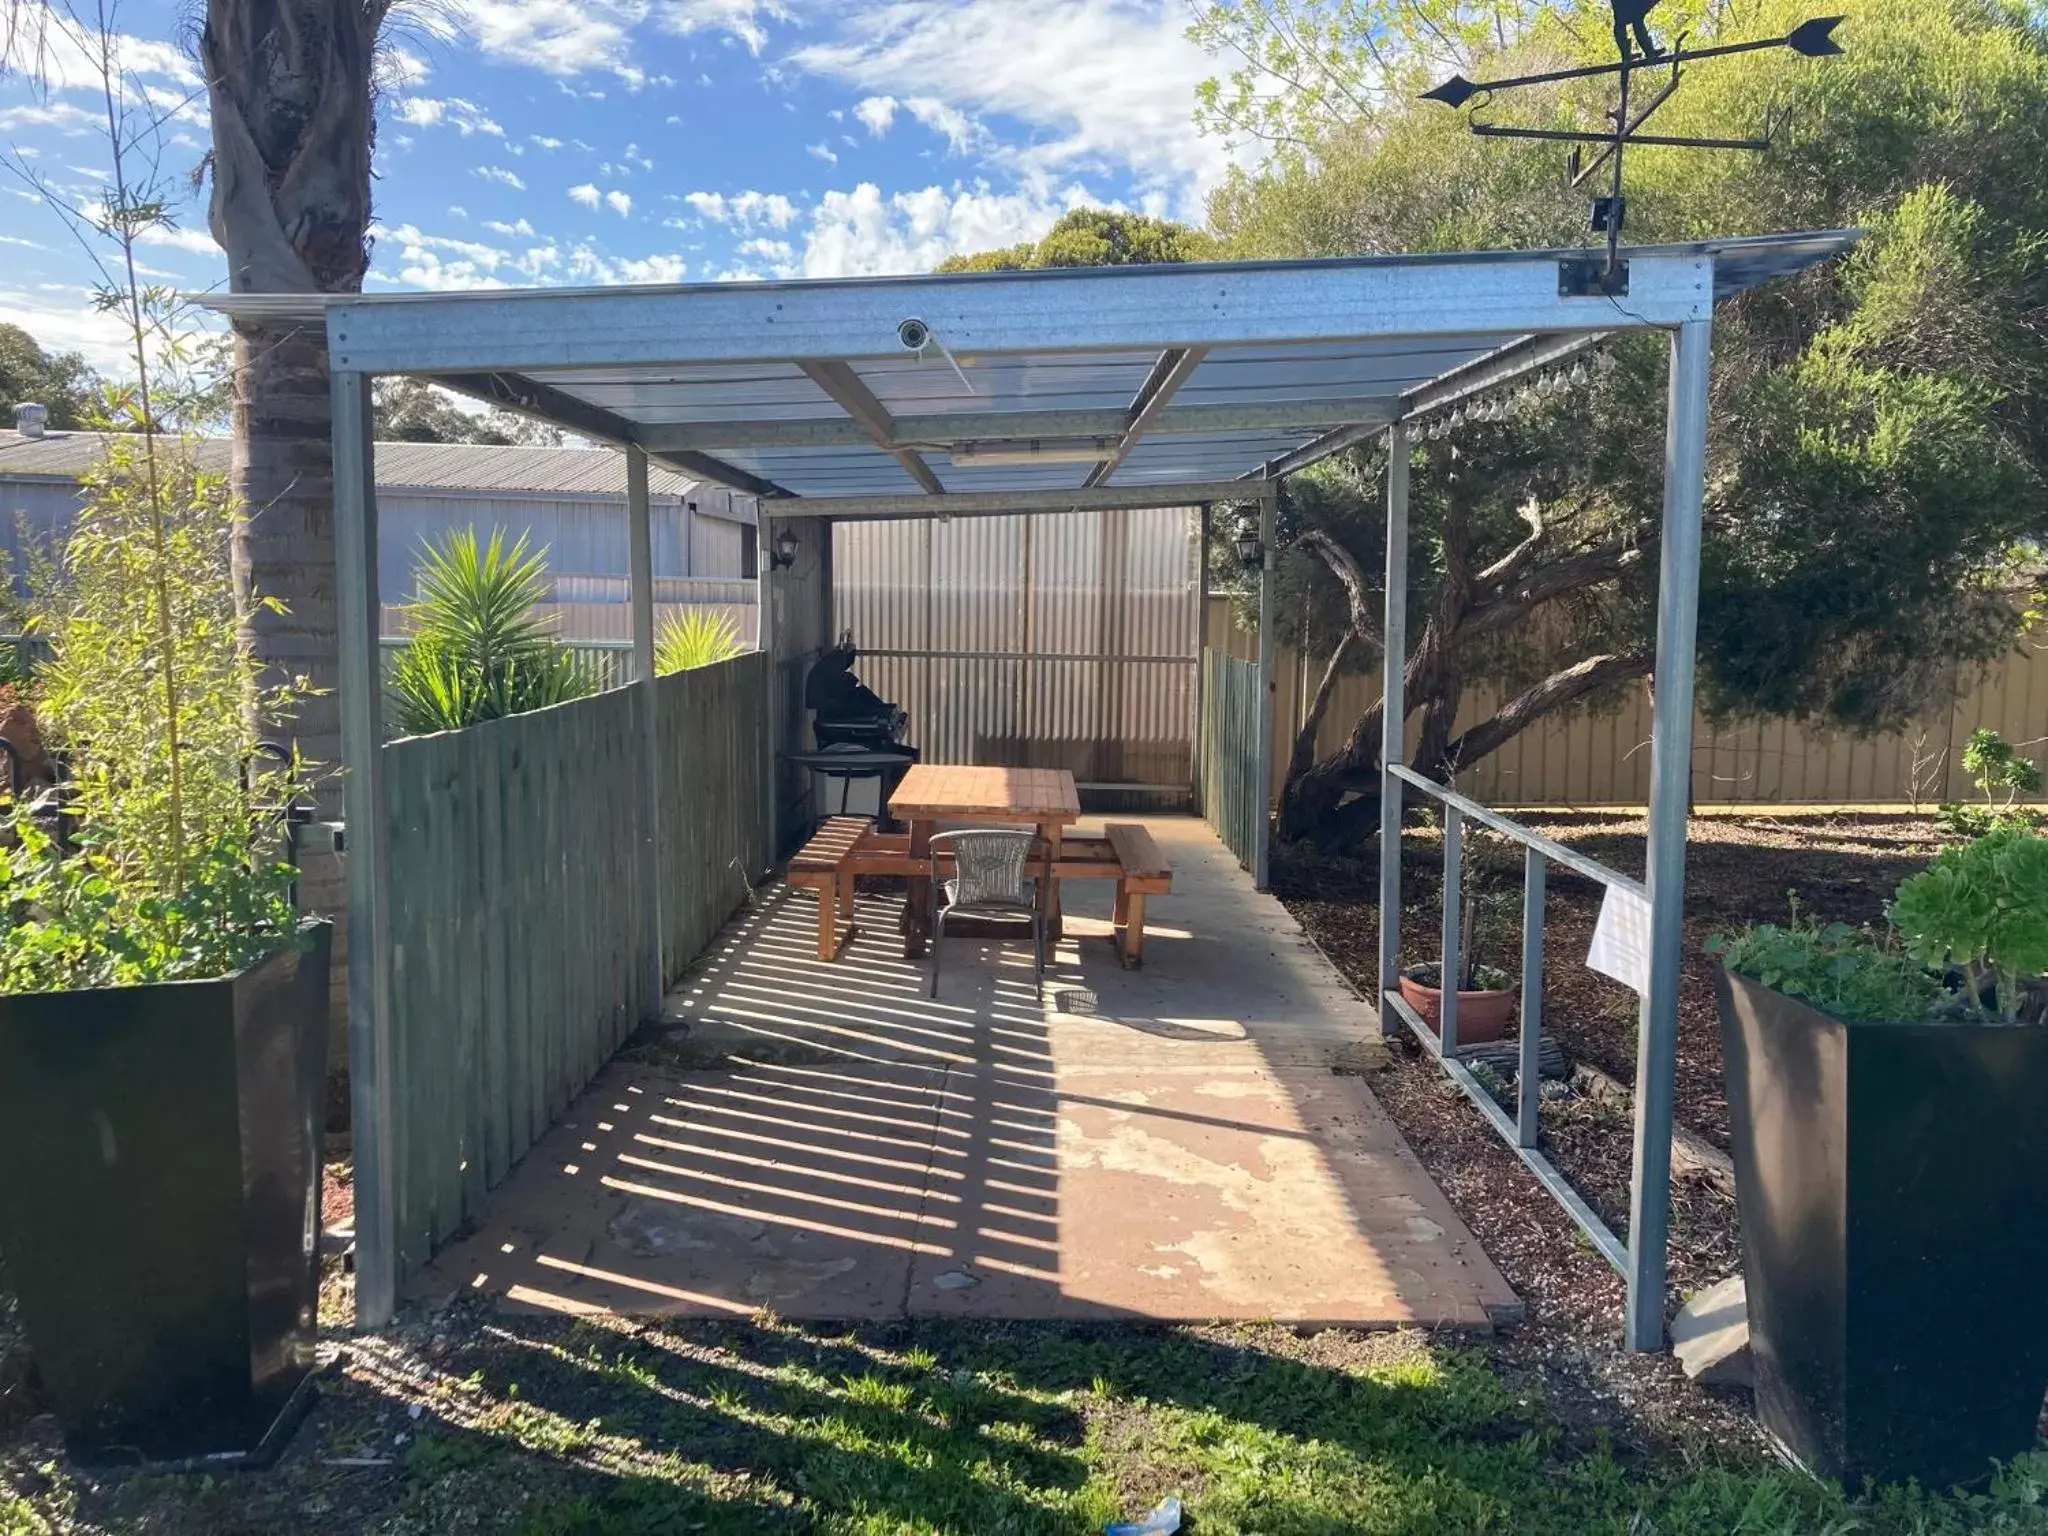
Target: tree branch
{"points": [[1303, 756], [1359, 594], [1556, 691]]}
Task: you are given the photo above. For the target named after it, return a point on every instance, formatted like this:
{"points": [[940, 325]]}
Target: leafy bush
{"points": [[695, 639], [77, 920], [1839, 969], [1982, 907], [1996, 768], [477, 652], [167, 877], [1973, 924]]}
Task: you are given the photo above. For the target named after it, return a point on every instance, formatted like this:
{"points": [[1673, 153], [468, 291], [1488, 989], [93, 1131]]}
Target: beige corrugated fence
{"points": [[1604, 759]]}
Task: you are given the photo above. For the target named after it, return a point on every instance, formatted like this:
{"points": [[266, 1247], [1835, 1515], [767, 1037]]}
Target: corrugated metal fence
{"points": [[1604, 759], [516, 919], [1056, 640], [1230, 752]]}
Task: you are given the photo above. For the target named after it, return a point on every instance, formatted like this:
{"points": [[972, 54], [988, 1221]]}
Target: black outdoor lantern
{"points": [[783, 555], [1250, 553]]}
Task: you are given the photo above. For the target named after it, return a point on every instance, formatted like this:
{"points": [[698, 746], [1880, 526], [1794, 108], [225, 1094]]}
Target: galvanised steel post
{"points": [[1393, 724], [1678, 601]]}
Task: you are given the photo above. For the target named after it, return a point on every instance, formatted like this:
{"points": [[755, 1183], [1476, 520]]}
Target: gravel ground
{"points": [[1739, 870]]}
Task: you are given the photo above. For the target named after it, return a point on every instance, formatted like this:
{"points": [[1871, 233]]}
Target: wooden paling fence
{"points": [[1231, 801], [518, 928], [715, 778]]}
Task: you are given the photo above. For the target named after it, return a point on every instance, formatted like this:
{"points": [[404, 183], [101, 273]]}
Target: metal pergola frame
{"points": [[618, 365]]}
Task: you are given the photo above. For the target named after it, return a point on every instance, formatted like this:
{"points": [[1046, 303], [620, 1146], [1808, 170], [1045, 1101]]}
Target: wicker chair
{"points": [[989, 882]]}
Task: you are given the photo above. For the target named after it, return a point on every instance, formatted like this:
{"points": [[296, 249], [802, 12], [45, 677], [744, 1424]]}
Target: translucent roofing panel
{"points": [[1102, 381]]}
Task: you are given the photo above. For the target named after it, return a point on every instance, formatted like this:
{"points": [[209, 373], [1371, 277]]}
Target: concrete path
{"points": [[1191, 1141]]}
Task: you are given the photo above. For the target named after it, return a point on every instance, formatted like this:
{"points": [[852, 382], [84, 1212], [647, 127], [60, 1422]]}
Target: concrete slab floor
{"points": [[827, 1141]]}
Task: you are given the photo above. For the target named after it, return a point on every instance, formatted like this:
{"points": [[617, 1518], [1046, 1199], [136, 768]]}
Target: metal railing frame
{"points": [[1641, 1260]]}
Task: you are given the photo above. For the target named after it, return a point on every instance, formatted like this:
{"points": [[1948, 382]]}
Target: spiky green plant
{"points": [[695, 639], [477, 652]]}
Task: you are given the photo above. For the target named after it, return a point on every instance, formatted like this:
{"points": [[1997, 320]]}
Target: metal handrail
{"points": [[1528, 837]]}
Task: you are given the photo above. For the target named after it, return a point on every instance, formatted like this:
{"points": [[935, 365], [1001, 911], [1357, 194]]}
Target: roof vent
{"points": [[30, 419]]}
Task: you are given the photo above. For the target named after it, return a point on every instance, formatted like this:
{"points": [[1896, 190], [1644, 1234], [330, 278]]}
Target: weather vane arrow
{"points": [[1812, 39]]}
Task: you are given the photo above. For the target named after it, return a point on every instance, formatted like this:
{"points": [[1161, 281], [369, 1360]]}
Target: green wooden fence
{"points": [[1233, 794], [517, 925], [714, 799]]}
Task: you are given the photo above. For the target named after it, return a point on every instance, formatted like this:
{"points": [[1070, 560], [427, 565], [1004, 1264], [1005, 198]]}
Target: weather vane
{"points": [[1811, 39]]}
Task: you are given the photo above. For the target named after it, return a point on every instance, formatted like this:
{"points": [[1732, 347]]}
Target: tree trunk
{"points": [[282, 473], [289, 84]]}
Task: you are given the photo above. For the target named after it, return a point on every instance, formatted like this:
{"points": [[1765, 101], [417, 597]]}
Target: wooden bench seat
{"points": [[1145, 873], [824, 864]]}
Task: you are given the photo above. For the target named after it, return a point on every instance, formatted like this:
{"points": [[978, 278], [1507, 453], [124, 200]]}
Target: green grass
{"points": [[551, 1429]]}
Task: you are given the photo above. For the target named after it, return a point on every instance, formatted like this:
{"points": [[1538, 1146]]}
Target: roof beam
{"points": [[1171, 371], [544, 403], [1486, 374], [941, 429], [1526, 355], [1081, 310], [859, 402], [996, 503]]}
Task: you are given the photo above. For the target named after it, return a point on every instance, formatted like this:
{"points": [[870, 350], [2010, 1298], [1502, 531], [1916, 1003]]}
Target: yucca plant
{"points": [[695, 639], [476, 651]]}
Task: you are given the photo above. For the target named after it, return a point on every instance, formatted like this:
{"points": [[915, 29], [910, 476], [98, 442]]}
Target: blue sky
{"points": [[600, 141]]}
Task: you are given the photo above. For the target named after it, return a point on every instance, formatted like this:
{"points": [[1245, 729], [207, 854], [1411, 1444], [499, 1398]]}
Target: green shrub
{"points": [[1974, 921], [476, 651], [1996, 769], [1982, 907], [1841, 970], [698, 638], [174, 871]]}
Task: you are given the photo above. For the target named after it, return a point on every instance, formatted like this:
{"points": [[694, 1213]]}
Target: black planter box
{"points": [[160, 1153], [1894, 1197]]}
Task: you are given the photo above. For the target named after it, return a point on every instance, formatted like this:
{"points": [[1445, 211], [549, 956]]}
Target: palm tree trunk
{"points": [[289, 84], [282, 476]]}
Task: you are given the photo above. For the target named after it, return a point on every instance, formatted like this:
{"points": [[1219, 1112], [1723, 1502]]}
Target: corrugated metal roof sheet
{"points": [[417, 466]]}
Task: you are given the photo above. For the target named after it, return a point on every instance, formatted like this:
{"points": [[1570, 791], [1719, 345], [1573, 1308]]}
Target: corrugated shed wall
{"points": [[1604, 759], [1050, 640], [33, 514]]}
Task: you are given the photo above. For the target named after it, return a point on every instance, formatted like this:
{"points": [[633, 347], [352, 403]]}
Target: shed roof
{"points": [[453, 467]]}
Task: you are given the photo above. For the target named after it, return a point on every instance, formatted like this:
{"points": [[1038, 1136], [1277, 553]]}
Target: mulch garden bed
{"points": [[1739, 869]]}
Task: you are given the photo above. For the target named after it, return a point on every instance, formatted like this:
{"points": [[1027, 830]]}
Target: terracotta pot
{"points": [[1483, 1016]]}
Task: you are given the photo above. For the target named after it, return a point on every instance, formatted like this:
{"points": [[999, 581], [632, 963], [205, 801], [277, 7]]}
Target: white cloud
{"points": [[501, 176], [619, 202], [399, 68], [517, 229], [863, 233], [824, 152], [47, 45], [197, 241], [1102, 84], [577, 37], [585, 195], [961, 132], [747, 210], [458, 210], [544, 141], [60, 115], [878, 112], [466, 117]]}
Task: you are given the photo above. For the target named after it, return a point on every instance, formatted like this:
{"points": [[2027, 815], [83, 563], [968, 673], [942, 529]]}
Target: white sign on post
{"points": [[1621, 939]]}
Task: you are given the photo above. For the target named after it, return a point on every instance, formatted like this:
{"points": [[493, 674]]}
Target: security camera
{"points": [[914, 334]]}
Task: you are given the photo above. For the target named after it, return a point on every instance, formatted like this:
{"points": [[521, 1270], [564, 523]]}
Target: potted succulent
{"points": [[163, 1011], [1487, 994], [1884, 1102]]}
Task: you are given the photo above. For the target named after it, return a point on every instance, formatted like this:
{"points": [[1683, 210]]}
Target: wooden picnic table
{"points": [[932, 793]]}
